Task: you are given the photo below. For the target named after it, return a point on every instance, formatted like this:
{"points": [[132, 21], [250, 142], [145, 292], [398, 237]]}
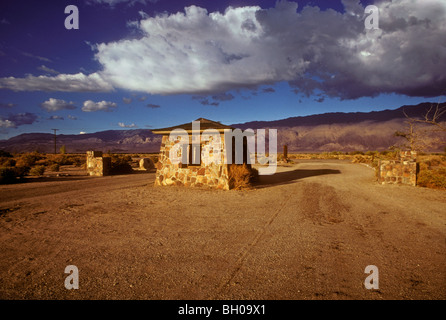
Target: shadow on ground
{"points": [[287, 177], [68, 177]]}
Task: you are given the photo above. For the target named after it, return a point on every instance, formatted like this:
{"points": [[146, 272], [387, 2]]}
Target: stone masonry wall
{"points": [[97, 165], [207, 173], [402, 171]]}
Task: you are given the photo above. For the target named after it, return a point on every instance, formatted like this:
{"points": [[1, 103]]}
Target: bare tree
{"points": [[413, 135], [433, 117], [416, 136]]}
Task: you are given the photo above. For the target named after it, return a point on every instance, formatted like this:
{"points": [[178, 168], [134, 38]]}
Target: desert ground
{"points": [[307, 232]]}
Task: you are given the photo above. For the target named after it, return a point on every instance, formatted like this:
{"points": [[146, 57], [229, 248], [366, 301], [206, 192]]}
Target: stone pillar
{"points": [[402, 171], [97, 165]]}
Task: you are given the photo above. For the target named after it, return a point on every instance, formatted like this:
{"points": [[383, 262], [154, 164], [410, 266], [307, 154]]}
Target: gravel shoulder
{"points": [[308, 232]]}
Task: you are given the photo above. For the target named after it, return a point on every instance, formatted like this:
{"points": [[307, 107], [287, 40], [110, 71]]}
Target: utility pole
{"points": [[55, 148]]}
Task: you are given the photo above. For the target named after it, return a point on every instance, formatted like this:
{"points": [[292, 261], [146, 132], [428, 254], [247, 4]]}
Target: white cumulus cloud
{"points": [[52, 105], [91, 106], [7, 124], [78, 82]]}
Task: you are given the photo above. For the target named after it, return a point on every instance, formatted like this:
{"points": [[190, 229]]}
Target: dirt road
{"points": [[307, 232]]}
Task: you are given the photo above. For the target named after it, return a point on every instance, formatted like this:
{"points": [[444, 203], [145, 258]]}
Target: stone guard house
{"points": [[201, 172]]}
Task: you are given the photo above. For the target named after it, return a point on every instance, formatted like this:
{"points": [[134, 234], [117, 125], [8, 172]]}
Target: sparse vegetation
{"points": [[7, 175], [432, 172], [121, 164], [10, 171], [434, 178], [60, 159], [55, 167], [37, 170], [5, 154], [7, 162], [241, 176], [29, 159]]}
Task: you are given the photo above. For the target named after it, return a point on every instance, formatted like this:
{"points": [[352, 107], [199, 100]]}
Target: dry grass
{"points": [[241, 176], [432, 172]]}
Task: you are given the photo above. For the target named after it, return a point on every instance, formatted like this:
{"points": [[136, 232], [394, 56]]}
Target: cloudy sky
{"points": [[155, 63]]}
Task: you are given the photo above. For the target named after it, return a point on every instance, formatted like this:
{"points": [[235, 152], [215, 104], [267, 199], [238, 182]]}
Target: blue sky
{"points": [[149, 64]]}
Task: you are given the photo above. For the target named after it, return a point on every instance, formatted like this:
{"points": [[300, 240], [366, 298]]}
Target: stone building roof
{"points": [[204, 124]]}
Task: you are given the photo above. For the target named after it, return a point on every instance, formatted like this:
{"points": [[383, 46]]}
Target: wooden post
{"points": [[285, 152], [55, 144]]}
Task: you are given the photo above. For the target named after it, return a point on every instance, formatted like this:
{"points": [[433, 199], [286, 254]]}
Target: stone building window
{"points": [[194, 155]]}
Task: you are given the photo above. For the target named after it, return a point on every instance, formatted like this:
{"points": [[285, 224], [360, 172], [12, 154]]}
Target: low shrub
{"points": [[11, 174], [432, 178], [154, 159], [37, 170], [77, 160], [5, 154], [241, 176], [42, 162], [60, 159], [433, 162], [21, 171], [7, 175], [7, 162], [29, 159], [121, 164], [360, 159], [55, 167]]}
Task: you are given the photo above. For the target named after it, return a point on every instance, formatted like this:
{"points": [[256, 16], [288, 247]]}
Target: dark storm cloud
{"points": [[198, 52], [18, 119]]}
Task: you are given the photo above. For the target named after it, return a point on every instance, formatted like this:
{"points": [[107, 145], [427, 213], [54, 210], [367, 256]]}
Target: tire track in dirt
{"points": [[327, 208], [324, 207], [245, 252]]}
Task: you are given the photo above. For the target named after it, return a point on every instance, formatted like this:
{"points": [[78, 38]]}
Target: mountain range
{"points": [[355, 131]]}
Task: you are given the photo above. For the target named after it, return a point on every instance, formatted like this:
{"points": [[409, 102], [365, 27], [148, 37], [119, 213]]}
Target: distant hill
{"points": [[343, 118], [355, 131], [117, 141]]}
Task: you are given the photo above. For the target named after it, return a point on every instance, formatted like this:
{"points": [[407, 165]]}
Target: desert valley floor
{"points": [[308, 232]]}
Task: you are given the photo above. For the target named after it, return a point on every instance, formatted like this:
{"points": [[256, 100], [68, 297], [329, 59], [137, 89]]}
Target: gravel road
{"points": [[308, 232]]}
